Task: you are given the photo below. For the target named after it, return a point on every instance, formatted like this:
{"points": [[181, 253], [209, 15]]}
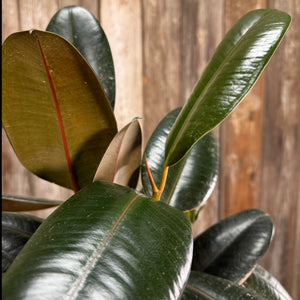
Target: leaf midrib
{"points": [[94, 258], [197, 290], [74, 183]]}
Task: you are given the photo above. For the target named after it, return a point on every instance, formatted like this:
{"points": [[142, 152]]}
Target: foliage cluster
{"points": [[110, 241]]}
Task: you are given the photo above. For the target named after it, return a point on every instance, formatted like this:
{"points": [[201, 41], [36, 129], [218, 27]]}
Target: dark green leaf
{"points": [[80, 27], [202, 286], [232, 71], [265, 284], [19, 203], [231, 248], [16, 230], [105, 242], [54, 110], [121, 161], [191, 181]]}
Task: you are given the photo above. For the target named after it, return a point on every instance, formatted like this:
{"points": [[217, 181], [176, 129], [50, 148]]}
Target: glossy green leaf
{"points": [[202, 286], [263, 283], [19, 203], [105, 242], [16, 230], [54, 110], [191, 181], [121, 161], [80, 27], [232, 71], [231, 248]]}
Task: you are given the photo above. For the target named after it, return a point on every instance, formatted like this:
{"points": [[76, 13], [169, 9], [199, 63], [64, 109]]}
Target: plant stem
{"points": [[154, 187], [162, 183], [163, 180], [157, 191]]}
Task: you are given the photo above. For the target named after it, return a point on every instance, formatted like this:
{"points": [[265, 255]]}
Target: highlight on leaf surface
{"points": [[262, 282], [16, 231], [90, 248], [231, 248]]}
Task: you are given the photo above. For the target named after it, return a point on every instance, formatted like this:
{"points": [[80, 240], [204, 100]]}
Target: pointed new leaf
{"points": [[263, 283], [231, 248], [19, 203], [54, 110], [80, 27], [191, 181], [202, 286], [121, 161], [105, 242], [232, 71], [16, 231]]}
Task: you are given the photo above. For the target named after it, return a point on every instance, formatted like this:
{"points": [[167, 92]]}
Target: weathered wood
{"points": [[36, 13], [161, 60], [295, 288], [92, 5], [281, 164], [122, 23], [241, 136], [160, 49], [10, 18], [202, 30]]}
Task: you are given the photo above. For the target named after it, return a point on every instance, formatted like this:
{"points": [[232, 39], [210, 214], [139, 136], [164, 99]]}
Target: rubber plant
{"points": [[109, 240]]}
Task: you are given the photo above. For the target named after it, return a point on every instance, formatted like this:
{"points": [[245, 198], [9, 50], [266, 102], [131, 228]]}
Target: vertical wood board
{"points": [[202, 30], [160, 49], [161, 60], [122, 23], [281, 153]]}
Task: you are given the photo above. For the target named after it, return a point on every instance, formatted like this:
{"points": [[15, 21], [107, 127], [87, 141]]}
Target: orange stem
{"points": [[154, 187], [157, 191]]}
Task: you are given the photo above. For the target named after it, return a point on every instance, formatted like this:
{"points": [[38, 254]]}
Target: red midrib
{"points": [[75, 186], [199, 291]]}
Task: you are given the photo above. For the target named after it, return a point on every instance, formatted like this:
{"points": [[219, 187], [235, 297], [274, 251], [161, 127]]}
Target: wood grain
{"points": [[202, 30], [36, 13], [160, 49], [161, 60], [281, 164], [241, 136], [10, 18], [122, 23], [92, 5]]}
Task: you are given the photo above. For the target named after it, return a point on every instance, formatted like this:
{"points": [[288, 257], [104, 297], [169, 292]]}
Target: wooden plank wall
{"points": [[160, 49]]}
